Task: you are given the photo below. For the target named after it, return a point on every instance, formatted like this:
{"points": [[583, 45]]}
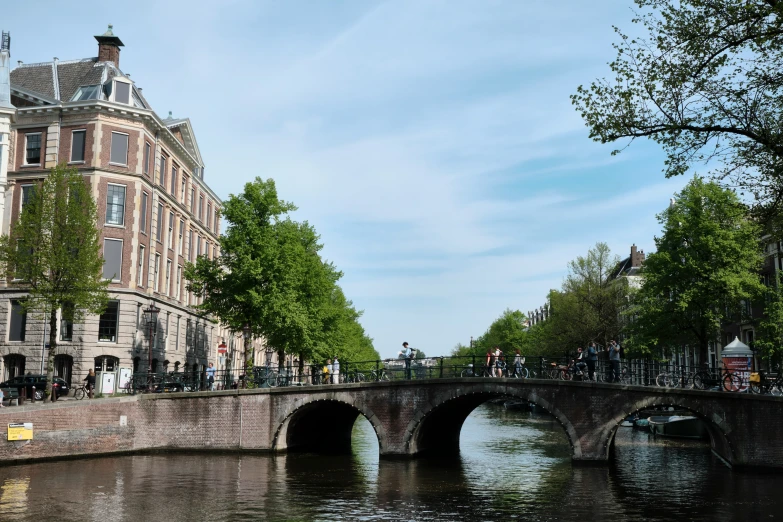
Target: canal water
{"points": [[512, 466]]}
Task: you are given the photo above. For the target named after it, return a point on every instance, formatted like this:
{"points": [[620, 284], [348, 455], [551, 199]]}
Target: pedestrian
{"points": [[90, 382], [335, 371], [518, 364], [490, 363], [498, 362], [592, 359], [210, 377], [1, 399], [327, 371], [614, 361], [407, 353]]}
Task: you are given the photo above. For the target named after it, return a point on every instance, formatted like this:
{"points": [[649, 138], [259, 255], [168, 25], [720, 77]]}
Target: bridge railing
{"points": [[641, 372]]}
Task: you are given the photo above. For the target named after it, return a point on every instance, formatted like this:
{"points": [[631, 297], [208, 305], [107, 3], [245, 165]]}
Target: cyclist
{"points": [[579, 367]]}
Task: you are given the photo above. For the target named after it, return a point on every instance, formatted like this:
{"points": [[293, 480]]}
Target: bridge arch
{"points": [[436, 426], [324, 425], [718, 429]]}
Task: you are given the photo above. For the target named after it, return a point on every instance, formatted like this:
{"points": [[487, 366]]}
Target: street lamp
{"points": [[151, 318]]}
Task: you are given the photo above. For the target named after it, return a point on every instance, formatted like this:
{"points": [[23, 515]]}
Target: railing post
{"points": [[540, 367], [474, 366], [441, 367], [377, 370]]}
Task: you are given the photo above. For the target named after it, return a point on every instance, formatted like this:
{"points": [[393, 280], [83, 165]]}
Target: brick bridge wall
{"points": [[409, 417]]}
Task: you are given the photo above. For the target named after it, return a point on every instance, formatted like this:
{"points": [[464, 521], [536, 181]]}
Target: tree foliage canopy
{"points": [[704, 81], [53, 252], [705, 268], [270, 276]]}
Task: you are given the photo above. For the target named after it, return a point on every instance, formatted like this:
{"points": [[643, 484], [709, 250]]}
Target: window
{"points": [[162, 170], [206, 249], [174, 181], [159, 232], [144, 212], [200, 208], [63, 367], [192, 200], [66, 323], [115, 205], [18, 321], [198, 245], [119, 149], [216, 222], [88, 92], [27, 193], [171, 230], [214, 252], [182, 192], [33, 148], [122, 92], [147, 150], [181, 232], [107, 325], [209, 215], [157, 271], [179, 281], [167, 290], [190, 244], [77, 145], [106, 363], [140, 275], [112, 259]]}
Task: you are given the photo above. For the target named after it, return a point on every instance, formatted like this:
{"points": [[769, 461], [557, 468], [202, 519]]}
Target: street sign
{"points": [[222, 348], [20, 431]]}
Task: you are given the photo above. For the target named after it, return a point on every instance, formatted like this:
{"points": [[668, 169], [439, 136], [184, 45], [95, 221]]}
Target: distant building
{"points": [[155, 210]]}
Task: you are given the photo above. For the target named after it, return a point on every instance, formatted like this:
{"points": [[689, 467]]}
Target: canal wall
{"points": [[408, 417]]}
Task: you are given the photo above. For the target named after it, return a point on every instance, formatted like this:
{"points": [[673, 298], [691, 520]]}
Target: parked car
{"points": [[27, 382]]}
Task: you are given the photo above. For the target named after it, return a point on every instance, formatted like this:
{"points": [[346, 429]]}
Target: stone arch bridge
{"points": [[409, 418]]}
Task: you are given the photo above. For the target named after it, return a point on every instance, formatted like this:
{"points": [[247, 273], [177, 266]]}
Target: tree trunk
{"points": [[280, 358], [50, 356], [704, 348]]}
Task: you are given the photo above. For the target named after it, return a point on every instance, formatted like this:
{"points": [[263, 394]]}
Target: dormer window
{"points": [[122, 92], [88, 92]]}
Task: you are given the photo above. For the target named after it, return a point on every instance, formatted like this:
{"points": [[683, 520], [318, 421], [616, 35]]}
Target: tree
{"points": [[507, 332], [53, 252], [769, 334], [270, 276], [704, 83], [705, 268]]}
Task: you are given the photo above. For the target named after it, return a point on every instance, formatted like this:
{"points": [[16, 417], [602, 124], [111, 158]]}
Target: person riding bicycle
{"points": [[581, 364], [90, 382]]}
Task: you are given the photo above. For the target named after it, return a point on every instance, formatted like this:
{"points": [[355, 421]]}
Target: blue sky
{"points": [[431, 143]]}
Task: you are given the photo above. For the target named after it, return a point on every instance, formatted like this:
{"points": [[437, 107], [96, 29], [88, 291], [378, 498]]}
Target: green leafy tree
{"points": [[53, 252], [705, 268], [769, 334], [507, 332], [702, 80]]}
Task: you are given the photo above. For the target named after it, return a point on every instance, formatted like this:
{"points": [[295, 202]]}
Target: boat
{"points": [[627, 422], [681, 426], [642, 424]]}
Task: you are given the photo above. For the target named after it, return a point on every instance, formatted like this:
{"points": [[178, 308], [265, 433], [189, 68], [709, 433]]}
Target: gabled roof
{"points": [[188, 136]]}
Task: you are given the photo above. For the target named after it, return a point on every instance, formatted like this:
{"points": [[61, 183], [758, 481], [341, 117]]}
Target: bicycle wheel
{"points": [[662, 380], [732, 382], [700, 380], [79, 394], [776, 388], [566, 375], [758, 388]]}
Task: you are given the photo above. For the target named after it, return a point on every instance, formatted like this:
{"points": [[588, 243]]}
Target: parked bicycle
{"points": [[725, 379], [772, 384]]}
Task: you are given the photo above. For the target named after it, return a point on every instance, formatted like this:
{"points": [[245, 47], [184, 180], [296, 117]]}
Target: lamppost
{"points": [[246, 333], [151, 318]]}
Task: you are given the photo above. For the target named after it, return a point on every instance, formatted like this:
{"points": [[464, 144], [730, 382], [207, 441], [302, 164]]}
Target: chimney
{"points": [[109, 47], [5, 71], [637, 257]]}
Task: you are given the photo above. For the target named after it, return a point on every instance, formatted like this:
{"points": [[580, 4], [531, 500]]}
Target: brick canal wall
{"points": [[408, 417]]}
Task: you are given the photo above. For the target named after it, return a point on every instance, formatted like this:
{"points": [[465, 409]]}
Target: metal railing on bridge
{"points": [[640, 372]]}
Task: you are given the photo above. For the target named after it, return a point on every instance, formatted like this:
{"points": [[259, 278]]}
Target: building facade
{"points": [[155, 211]]}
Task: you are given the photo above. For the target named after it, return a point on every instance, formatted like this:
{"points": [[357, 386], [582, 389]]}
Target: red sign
{"points": [[222, 348]]}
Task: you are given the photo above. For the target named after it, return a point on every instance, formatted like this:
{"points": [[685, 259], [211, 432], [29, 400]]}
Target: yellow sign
{"points": [[20, 431]]}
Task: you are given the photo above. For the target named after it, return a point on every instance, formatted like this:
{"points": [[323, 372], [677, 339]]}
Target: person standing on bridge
{"points": [[210, 377], [592, 359], [335, 371], [407, 354], [614, 361]]}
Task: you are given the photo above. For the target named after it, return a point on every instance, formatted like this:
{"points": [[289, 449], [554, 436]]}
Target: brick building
{"points": [[155, 211]]}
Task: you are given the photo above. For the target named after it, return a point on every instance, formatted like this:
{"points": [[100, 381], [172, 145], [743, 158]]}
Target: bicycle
{"points": [[80, 392], [771, 385], [725, 379], [379, 375], [354, 376]]}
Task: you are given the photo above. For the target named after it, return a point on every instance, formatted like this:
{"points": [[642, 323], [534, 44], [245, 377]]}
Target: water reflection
{"points": [[512, 465]]}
